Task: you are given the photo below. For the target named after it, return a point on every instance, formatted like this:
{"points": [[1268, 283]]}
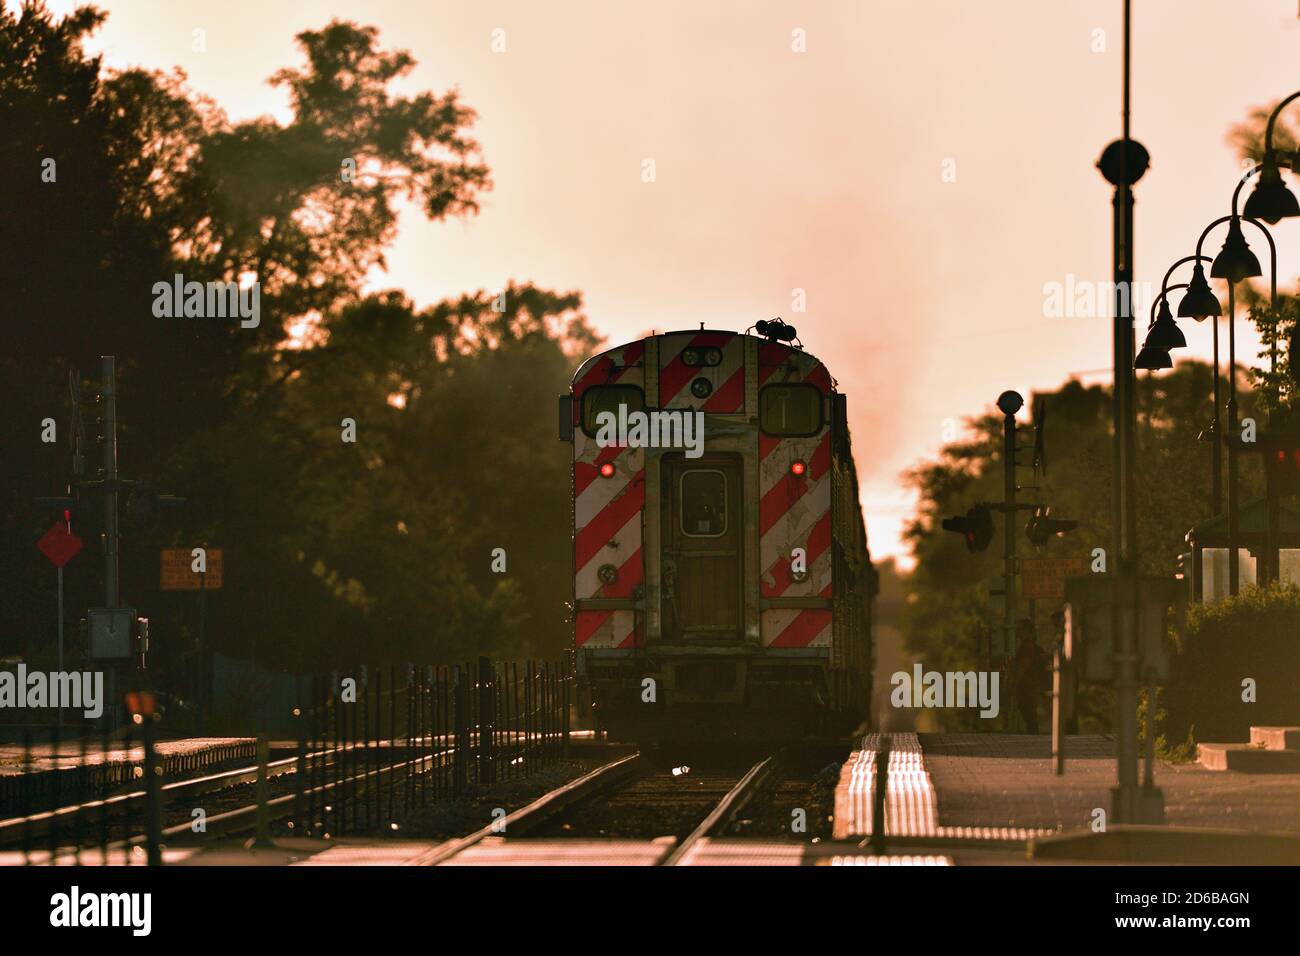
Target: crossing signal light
{"points": [[1043, 527], [144, 506], [1285, 459], [976, 527]]}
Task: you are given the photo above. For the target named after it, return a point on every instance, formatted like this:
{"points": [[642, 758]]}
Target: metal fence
{"points": [[373, 747]]}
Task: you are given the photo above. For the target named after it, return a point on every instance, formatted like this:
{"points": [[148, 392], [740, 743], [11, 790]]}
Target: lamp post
{"points": [[1122, 164]]}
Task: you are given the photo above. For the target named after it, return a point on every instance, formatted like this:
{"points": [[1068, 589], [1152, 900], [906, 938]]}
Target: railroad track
{"points": [[340, 780], [632, 798]]}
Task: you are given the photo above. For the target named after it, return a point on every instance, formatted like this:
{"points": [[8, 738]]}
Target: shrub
{"points": [[1255, 636]]}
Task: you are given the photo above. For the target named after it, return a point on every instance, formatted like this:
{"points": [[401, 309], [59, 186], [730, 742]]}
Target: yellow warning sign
{"points": [[1043, 579], [178, 572]]}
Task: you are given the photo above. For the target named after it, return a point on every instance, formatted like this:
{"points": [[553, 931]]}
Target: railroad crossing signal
{"points": [[976, 527], [1042, 527], [1282, 455]]}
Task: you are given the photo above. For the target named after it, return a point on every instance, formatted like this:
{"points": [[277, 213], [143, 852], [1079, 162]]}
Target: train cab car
{"points": [[722, 580]]}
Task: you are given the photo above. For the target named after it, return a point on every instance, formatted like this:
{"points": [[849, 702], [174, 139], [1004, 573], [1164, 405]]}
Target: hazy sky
{"points": [[922, 171]]}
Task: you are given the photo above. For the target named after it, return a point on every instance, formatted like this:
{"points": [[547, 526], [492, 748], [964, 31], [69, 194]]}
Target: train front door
{"points": [[702, 548]]}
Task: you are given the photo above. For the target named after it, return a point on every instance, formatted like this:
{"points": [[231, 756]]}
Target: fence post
{"points": [[373, 772], [410, 754], [55, 777], [337, 789], [104, 787], [459, 744], [528, 715], [564, 703], [429, 719], [548, 712], [84, 787], [152, 794], [25, 807], [300, 776], [262, 838], [484, 720]]}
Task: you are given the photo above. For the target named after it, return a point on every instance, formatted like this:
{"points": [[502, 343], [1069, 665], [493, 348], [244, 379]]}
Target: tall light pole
{"points": [[1122, 163]]}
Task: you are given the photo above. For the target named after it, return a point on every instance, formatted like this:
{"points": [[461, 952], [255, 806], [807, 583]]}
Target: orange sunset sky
{"points": [[922, 171]]}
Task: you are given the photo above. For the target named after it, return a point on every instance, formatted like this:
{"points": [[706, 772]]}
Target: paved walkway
{"points": [[1007, 780]]}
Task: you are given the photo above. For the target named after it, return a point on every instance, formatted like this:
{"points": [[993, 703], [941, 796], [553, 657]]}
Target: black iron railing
{"points": [[372, 748]]}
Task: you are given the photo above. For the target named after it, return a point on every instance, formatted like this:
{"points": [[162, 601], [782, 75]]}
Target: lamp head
{"points": [[1165, 333], [1200, 302], [1235, 261], [1152, 358], [1270, 200]]}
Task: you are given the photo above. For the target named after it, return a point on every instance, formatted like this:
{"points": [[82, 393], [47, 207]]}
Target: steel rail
{"points": [[727, 809], [537, 812]]}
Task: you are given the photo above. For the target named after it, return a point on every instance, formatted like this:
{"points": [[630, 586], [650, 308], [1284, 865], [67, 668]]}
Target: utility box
{"points": [[1096, 603], [112, 632]]}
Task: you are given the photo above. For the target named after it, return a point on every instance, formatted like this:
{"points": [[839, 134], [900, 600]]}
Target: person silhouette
{"points": [[1027, 674]]}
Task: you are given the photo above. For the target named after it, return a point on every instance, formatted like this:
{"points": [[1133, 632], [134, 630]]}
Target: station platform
{"points": [[981, 792], [1007, 780]]}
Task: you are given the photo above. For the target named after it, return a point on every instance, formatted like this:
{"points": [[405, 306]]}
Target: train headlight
{"points": [[694, 358], [607, 470], [701, 388], [798, 468], [607, 573]]}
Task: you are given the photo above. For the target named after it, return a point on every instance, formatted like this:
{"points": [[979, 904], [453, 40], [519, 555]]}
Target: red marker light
{"points": [[797, 468], [607, 470]]}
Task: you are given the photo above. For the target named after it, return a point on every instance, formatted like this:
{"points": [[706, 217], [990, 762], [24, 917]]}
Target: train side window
{"points": [[703, 503], [790, 410], [608, 398]]}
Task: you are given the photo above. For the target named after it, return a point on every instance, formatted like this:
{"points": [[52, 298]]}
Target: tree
{"points": [[948, 603], [336, 552]]}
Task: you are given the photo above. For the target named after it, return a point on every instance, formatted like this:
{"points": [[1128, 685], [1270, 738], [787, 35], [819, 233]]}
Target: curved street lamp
{"points": [[1235, 262], [1271, 201], [1163, 334]]}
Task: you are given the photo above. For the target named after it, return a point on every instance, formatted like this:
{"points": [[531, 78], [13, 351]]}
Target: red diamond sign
{"points": [[59, 545]]}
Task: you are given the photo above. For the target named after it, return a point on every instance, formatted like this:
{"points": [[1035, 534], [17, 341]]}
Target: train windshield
{"points": [[608, 398], [790, 409]]}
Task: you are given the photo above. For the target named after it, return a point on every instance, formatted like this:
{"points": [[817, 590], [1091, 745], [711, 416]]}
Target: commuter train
{"points": [[722, 582]]}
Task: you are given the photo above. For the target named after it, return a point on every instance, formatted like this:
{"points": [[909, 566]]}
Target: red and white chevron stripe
{"points": [[607, 511], [794, 511]]}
